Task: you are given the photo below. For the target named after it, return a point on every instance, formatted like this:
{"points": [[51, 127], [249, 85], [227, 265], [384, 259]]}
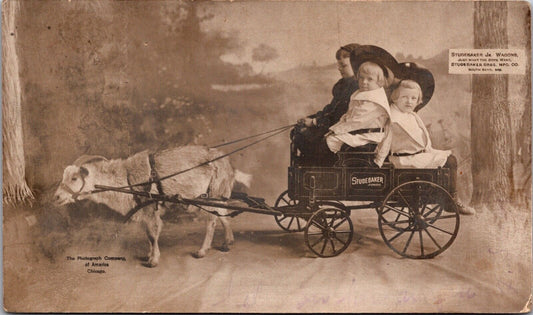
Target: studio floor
{"points": [[487, 269]]}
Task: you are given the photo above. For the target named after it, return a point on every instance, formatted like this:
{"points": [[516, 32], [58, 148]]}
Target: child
{"points": [[311, 130], [408, 140], [367, 113]]}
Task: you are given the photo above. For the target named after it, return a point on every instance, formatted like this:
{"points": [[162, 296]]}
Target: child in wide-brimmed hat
{"points": [[408, 141], [367, 113]]}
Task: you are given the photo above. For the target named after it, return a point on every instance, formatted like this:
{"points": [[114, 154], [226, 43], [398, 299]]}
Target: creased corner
{"points": [[527, 307]]}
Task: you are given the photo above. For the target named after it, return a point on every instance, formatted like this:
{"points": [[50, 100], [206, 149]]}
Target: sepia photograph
{"points": [[266, 156]]}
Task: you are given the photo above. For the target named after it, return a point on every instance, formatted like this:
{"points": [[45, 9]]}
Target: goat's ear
{"points": [[84, 172]]}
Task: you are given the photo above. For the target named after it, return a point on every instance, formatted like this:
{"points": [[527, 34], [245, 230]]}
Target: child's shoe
{"points": [[464, 209], [461, 207]]}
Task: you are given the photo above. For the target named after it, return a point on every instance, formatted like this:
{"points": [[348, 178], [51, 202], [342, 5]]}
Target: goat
{"points": [[215, 178]]}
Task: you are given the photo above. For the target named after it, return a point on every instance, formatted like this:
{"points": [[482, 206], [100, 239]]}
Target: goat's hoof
{"points": [[151, 263], [230, 242], [198, 254], [224, 248]]}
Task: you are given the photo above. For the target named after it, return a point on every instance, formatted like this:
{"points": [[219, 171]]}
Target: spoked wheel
{"points": [[418, 219], [329, 231], [286, 221]]}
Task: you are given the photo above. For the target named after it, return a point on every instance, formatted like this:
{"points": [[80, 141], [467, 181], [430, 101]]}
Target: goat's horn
{"points": [[88, 158]]}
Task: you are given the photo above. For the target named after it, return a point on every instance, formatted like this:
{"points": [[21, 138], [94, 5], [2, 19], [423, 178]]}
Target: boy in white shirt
{"points": [[408, 141]]}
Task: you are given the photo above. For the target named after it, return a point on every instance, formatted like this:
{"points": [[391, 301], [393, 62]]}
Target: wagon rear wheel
{"points": [[418, 219], [287, 221], [329, 231]]}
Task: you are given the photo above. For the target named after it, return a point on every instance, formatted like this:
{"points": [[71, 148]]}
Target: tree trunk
{"points": [[15, 188], [523, 139], [490, 115]]}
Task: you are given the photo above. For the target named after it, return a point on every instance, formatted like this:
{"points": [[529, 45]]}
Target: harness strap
{"points": [[154, 176], [74, 194], [366, 130], [212, 160], [232, 214], [138, 207], [68, 189], [253, 136], [136, 198]]}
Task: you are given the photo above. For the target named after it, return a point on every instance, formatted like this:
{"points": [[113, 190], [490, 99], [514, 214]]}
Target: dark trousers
{"points": [[311, 146], [369, 147], [327, 158], [451, 163], [306, 139]]}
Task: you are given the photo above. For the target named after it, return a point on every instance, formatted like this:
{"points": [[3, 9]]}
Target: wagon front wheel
{"points": [[329, 231], [418, 219], [287, 221]]}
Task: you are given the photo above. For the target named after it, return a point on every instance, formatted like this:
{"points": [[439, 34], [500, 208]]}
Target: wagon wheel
{"points": [[332, 203], [397, 224], [287, 221], [418, 219], [329, 231]]}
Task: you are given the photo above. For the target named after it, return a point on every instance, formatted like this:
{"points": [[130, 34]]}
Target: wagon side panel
{"points": [[322, 183], [367, 184], [439, 176]]}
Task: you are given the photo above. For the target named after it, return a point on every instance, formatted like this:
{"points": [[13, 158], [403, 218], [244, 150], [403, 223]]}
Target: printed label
{"points": [[367, 181], [486, 61]]}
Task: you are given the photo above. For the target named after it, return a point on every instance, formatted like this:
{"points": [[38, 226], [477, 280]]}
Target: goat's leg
{"points": [[211, 223], [228, 234], [153, 225]]}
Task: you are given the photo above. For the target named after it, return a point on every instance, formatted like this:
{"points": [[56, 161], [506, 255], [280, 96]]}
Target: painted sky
{"points": [[310, 32]]}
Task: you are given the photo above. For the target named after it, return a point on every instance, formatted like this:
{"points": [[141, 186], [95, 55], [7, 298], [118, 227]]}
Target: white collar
{"points": [[396, 114], [399, 117], [377, 96]]}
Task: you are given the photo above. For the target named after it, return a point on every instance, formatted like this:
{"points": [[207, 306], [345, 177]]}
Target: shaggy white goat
{"points": [[216, 178]]}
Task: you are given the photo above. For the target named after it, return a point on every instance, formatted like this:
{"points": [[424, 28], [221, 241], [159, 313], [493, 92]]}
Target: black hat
{"points": [[350, 47], [344, 51], [377, 55], [422, 76]]}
